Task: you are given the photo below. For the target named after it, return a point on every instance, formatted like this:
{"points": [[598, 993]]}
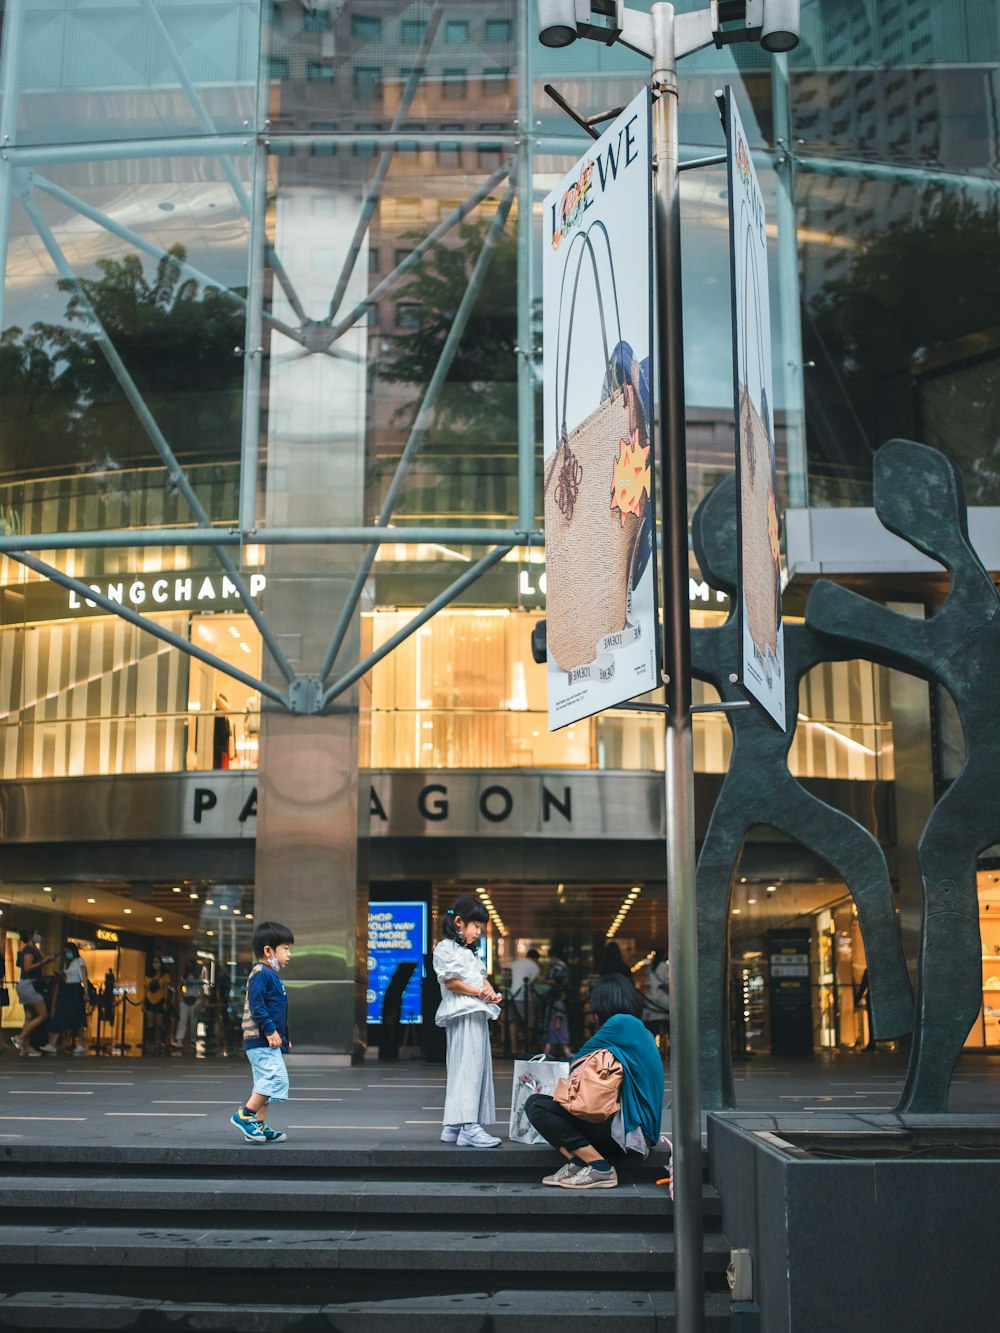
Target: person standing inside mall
{"points": [[192, 987], [524, 972], [468, 1002], [71, 1002], [30, 961]]}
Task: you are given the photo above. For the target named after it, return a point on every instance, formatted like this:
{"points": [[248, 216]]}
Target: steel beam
{"points": [[112, 538], [138, 405], [13, 25], [206, 123], [525, 349], [422, 421], [442, 600], [414, 257], [374, 194], [84, 591]]}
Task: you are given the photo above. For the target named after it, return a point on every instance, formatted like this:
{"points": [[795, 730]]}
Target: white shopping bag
{"points": [[530, 1076]]}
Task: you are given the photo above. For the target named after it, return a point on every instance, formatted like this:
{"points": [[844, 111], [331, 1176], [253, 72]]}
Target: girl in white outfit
{"points": [[468, 1002]]}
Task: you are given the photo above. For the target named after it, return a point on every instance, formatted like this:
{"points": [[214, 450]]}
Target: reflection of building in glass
{"points": [[278, 268]]}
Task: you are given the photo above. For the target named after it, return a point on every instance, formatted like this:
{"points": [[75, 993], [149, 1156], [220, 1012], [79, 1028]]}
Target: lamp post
{"points": [[665, 37]]}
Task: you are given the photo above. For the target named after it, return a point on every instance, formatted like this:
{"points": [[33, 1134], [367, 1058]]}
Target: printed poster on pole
{"points": [[601, 625], [762, 665]]}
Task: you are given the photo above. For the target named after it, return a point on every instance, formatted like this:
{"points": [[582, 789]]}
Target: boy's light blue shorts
{"points": [[270, 1077]]}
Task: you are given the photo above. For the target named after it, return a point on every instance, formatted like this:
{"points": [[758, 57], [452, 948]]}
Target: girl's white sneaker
{"points": [[474, 1136]]}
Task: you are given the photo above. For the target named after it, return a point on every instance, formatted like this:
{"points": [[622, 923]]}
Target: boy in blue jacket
{"points": [[265, 1031]]}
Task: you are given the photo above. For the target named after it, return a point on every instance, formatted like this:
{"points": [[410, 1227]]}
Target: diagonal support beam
{"points": [[154, 251], [208, 125], [138, 405], [85, 591], [392, 279], [385, 161], [421, 423], [442, 600]]}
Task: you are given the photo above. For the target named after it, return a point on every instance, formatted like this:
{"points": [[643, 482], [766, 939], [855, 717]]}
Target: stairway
{"points": [[249, 1238]]}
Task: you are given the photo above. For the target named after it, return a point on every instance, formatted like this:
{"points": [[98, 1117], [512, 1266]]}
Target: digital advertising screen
{"points": [[397, 933]]}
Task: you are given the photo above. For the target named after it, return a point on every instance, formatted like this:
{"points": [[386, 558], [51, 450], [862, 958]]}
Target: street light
{"points": [[665, 37]]}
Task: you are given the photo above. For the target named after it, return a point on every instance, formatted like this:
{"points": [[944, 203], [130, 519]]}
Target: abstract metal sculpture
{"points": [[759, 790], [920, 496]]}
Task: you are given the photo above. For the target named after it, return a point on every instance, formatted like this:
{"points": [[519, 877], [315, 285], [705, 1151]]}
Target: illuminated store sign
{"points": [[533, 584], [108, 936], [170, 590], [150, 592]]}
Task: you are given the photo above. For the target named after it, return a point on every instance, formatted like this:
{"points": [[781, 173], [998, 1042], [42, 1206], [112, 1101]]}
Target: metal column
{"points": [[679, 748]]}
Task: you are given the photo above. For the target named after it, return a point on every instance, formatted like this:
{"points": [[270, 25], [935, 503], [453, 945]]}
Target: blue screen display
{"points": [[397, 933]]}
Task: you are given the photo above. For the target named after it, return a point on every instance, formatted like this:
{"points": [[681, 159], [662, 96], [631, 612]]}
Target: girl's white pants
{"points": [[469, 1098]]}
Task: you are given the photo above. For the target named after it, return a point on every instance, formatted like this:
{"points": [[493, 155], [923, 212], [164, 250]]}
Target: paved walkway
{"points": [[183, 1101]]}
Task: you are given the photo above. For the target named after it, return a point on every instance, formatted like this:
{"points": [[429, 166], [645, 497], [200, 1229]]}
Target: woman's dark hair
{"points": [[612, 960], [469, 908], [25, 935], [72, 948], [614, 994], [269, 934]]}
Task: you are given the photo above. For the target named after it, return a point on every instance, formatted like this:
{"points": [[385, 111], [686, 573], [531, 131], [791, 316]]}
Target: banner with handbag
{"points": [[592, 1089], [538, 1074], [601, 624]]}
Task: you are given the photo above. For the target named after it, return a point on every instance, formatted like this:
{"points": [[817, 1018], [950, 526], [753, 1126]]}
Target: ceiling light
{"points": [[186, 926], [192, 895], [157, 918], [176, 888], [772, 888], [209, 902], [91, 900], [223, 908], [128, 911], [46, 889], [736, 911], [751, 901]]}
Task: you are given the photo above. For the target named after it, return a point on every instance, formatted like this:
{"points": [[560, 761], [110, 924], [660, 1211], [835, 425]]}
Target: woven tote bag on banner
{"points": [[759, 530], [590, 546]]}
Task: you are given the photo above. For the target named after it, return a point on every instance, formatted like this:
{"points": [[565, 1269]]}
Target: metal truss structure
{"points": [[22, 178]]}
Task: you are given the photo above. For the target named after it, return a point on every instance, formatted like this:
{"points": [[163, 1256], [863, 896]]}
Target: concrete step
{"points": [[34, 1197], [612, 1258], [555, 1311], [305, 1202], [292, 1161]]}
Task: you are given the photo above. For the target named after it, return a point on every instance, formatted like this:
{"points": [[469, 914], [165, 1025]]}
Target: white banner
{"points": [[762, 668], [601, 627]]}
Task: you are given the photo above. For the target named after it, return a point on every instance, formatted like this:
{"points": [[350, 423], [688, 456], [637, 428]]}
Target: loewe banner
{"points": [[762, 668], [598, 452]]}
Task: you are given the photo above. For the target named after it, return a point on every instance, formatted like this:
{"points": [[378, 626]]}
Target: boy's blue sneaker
{"points": [[273, 1135], [249, 1127]]}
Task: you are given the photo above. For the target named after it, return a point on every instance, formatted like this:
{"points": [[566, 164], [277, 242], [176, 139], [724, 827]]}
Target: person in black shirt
{"points": [[31, 961]]}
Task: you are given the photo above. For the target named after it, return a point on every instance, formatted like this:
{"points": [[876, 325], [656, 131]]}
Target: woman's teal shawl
{"points": [[632, 1045]]}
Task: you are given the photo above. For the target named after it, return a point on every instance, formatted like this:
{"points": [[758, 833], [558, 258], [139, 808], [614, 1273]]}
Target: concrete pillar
{"points": [[308, 869]]}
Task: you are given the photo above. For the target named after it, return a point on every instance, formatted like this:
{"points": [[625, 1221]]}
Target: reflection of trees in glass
{"points": [[61, 406], [913, 332], [467, 464]]}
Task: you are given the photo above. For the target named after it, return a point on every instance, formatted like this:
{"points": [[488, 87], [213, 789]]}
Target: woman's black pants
{"points": [[563, 1130]]}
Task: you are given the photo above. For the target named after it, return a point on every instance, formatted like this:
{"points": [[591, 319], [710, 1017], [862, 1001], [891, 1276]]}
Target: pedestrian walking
{"points": [[265, 1032], [468, 1002], [30, 961]]}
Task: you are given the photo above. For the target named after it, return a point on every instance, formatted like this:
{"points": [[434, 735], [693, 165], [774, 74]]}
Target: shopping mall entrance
{"points": [[798, 967], [165, 964]]}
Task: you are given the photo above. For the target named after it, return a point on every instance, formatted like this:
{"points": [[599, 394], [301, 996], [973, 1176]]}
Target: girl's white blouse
{"points": [[452, 962]]}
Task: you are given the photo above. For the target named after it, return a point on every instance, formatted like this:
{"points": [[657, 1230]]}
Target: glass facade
{"points": [[276, 266]]}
